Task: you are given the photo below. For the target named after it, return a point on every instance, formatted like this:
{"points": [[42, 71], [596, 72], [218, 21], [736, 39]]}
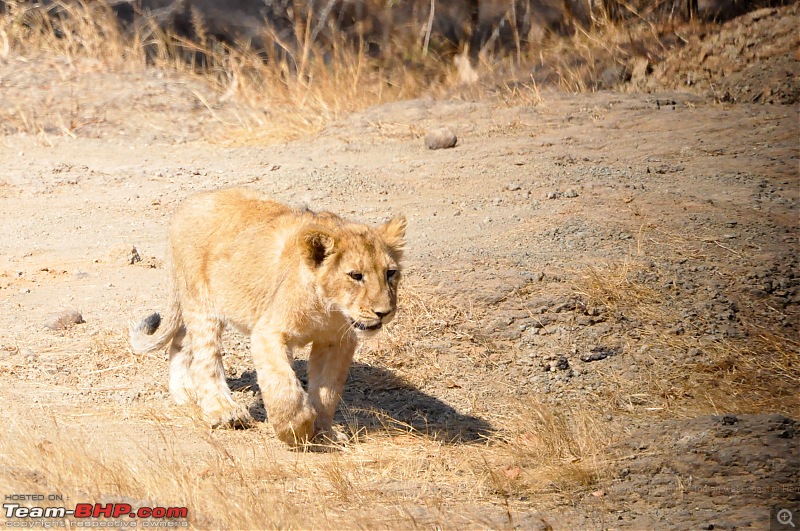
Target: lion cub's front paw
{"points": [[234, 418], [298, 430], [331, 437]]}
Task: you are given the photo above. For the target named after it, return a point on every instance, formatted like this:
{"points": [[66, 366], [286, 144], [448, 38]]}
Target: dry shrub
{"points": [[297, 88], [283, 95]]}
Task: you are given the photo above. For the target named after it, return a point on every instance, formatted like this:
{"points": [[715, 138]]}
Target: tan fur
{"points": [[286, 278]]}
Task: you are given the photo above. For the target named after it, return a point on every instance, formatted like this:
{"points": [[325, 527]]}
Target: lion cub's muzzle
{"points": [[372, 325], [362, 327]]}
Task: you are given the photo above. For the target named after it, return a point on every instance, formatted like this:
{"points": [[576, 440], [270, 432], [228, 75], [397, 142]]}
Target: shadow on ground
{"points": [[377, 400]]}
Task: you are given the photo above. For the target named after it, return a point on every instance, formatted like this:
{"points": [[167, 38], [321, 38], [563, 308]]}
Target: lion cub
{"points": [[287, 278]]}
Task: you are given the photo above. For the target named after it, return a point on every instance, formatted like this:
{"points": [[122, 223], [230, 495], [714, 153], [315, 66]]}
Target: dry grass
{"points": [[245, 481], [308, 85], [281, 96], [396, 475], [756, 373]]}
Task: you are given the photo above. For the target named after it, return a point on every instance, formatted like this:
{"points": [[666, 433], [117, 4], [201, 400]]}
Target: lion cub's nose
{"points": [[381, 315]]}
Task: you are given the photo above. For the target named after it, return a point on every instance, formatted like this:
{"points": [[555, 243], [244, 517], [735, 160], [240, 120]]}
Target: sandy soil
{"points": [[695, 203]]}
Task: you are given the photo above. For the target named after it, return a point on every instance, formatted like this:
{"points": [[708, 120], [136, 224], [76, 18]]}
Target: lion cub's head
{"points": [[357, 268]]}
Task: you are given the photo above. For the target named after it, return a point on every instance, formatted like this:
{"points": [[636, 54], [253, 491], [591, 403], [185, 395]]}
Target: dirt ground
{"points": [[634, 254]]}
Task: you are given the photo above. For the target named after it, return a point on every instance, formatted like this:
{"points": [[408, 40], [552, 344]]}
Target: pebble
{"points": [[124, 254], [442, 138], [598, 353], [63, 319], [570, 193], [513, 187]]}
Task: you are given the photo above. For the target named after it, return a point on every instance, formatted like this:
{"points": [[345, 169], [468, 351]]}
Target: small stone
{"points": [[570, 193], [124, 254], [513, 187], [729, 420], [600, 353], [562, 364], [23, 291], [553, 195], [64, 319], [442, 138]]}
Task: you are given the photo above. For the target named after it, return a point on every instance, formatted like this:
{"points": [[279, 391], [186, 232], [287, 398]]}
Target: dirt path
{"points": [[528, 244]]}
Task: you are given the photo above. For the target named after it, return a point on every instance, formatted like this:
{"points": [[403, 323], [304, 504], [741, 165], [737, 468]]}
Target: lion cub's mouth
{"points": [[362, 327]]}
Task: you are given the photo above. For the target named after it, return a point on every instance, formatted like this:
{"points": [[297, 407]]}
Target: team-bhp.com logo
{"points": [[156, 516]]}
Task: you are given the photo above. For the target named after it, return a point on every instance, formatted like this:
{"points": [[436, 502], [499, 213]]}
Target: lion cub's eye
{"points": [[390, 274], [355, 275]]}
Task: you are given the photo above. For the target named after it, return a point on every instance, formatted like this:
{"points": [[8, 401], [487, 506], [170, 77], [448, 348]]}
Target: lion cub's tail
{"points": [[154, 332]]}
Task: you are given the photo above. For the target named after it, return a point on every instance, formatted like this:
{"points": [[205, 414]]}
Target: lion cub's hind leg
{"points": [[207, 373], [180, 360]]}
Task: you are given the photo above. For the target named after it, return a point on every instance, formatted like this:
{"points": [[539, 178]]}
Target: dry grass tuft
{"points": [[615, 287], [554, 449]]}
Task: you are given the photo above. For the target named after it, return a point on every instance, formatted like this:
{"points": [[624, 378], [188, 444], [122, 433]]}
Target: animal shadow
{"points": [[376, 400]]}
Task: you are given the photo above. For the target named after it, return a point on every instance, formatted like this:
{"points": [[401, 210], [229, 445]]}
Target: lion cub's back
{"points": [[225, 210], [206, 225]]}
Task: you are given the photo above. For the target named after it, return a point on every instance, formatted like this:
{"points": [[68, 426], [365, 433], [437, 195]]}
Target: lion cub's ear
{"points": [[394, 234], [317, 244]]}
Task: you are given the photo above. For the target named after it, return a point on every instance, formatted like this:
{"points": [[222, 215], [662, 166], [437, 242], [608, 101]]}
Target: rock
{"points": [[553, 195], [513, 187], [442, 138], [614, 75], [124, 254], [562, 364], [570, 193], [64, 319], [600, 353]]}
